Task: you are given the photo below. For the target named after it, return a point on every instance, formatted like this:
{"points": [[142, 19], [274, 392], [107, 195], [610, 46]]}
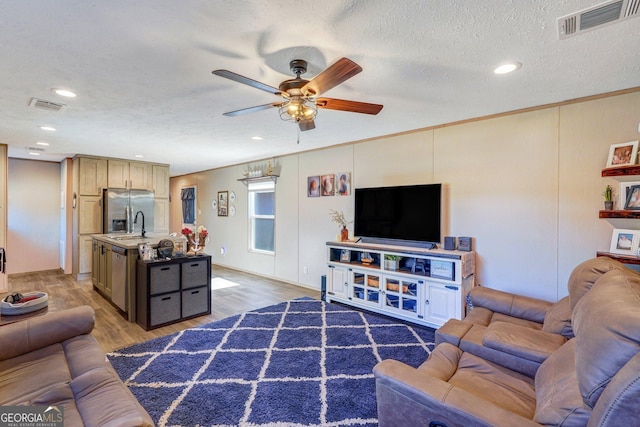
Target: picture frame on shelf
{"points": [[223, 203], [633, 199], [623, 154], [345, 255], [623, 194], [624, 241]]}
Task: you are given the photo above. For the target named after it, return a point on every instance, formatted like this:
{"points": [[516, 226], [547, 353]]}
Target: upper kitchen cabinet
{"points": [[92, 176], [161, 181], [131, 175]]}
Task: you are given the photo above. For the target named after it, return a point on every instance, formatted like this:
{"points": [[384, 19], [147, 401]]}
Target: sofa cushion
{"points": [[83, 353], [525, 343], [558, 319], [605, 322], [102, 399], [26, 377], [586, 274], [558, 399]]}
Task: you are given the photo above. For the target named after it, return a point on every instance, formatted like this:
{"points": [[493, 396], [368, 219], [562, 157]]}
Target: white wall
{"points": [[34, 210], [525, 186]]}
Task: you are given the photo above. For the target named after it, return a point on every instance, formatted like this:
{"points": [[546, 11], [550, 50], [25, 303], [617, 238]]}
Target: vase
{"points": [[344, 234], [608, 206]]}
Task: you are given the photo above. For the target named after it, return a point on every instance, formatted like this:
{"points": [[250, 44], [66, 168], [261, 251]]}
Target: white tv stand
{"points": [[428, 286]]}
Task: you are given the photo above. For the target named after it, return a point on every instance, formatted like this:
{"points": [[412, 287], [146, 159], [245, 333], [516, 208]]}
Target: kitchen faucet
{"points": [[135, 221]]}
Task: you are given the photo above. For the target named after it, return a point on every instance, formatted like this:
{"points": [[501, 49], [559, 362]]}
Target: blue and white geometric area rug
{"points": [[298, 363]]}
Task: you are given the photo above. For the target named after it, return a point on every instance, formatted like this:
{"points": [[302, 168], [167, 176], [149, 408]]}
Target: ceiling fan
{"points": [[301, 97]]}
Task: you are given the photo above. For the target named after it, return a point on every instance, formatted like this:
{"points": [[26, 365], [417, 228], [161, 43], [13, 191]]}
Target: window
{"points": [[262, 216]]}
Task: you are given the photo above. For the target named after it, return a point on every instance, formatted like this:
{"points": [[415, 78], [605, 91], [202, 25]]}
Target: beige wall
{"points": [[33, 216], [525, 186]]}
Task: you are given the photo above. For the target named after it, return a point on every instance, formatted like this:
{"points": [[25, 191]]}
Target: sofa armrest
{"points": [[510, 304], [520, 341], [408, 396], [39, 332]]}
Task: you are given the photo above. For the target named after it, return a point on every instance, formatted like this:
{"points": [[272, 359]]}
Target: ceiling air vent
{"points": [[47, 105], [597, 16], [39, 149]]}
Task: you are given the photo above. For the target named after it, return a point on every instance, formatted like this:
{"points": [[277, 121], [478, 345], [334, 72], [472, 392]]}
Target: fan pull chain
{"points": [[298, 140]]}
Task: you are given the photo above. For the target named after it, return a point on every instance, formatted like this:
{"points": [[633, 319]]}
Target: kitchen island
{"points": [[113, 271]]}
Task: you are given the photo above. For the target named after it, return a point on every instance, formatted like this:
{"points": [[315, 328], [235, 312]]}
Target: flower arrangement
{"points": [[338, 218], [186, 231], [202, 231]]}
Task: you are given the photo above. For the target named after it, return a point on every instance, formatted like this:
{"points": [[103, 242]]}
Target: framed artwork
{"points": [[343, 184], [345, 255], [223, 203], [633, 198], [313, 186], [624, 242], [328, 185], [623, 154], [625, 190]]}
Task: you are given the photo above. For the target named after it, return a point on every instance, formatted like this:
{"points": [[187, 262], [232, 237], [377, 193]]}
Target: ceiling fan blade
{"points": [[331, 77], [344, 105], [306, 125], [247, 81], [252, 109]]}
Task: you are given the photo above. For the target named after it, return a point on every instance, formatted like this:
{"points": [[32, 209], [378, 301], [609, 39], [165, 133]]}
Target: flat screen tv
{"points": [[409, 213]]}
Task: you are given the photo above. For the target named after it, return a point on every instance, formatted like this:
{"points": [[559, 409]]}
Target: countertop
{"points": [[131, 240]]}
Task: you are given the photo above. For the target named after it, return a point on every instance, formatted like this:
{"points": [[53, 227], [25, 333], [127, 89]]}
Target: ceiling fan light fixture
{"points": [[298, 109]]}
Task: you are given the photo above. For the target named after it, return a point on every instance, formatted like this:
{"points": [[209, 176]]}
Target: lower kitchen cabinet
{"points": [[169, 291]]}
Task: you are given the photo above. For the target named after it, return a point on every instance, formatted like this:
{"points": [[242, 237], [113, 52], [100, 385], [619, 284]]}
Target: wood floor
{"points": [[113, 331]]}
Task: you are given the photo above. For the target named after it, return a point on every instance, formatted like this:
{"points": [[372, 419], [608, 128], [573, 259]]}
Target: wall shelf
{"points": [[629, 214], [621, 171], [247, 180], [625, 259]]}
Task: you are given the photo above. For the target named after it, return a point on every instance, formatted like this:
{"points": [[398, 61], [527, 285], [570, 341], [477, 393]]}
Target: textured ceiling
{"points": [[142, 70]]}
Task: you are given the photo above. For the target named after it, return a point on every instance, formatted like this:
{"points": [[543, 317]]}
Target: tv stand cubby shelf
{"points": [[424, 286]]}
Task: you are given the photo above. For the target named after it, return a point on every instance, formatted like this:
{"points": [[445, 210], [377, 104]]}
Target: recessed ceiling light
{"points": [[64, 92], [507, 67], [257, 138], [139, 156], [33, 153], [46, 144], [48, 128]]}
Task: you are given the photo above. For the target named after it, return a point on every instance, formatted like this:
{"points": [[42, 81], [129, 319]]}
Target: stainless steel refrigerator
{"points": [[120, 208]]}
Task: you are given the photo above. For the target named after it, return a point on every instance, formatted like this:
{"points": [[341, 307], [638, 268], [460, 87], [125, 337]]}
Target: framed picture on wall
{"points": [[327, 185], [624, 242], [313, 186], [223, 203], [343, 184], [633, 198], [623, 154]]}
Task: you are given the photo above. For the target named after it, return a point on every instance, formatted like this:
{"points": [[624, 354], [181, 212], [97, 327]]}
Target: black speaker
{"points": [[450, 243], [323, 288], [464, 244]]}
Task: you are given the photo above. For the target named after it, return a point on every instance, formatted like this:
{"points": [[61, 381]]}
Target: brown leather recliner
{"points": [[592, 379], [520, 332]]}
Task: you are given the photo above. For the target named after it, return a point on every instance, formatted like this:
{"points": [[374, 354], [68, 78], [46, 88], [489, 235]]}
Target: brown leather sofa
{"points": [[53, 360], [592, 379], [520, 332]]}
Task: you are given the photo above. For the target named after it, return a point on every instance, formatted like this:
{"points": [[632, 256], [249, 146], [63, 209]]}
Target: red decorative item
{"points": [[344, 233]]}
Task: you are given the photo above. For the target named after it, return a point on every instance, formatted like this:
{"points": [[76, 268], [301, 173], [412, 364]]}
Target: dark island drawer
{"points": [[195, 301], [164, 308], [164, 278], [195, 273]]}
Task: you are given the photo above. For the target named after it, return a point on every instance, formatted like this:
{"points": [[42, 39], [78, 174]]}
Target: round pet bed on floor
{"points": [[32, 301]]}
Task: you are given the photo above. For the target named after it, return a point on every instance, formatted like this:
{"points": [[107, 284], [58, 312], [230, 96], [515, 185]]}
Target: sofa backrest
{"points": [[586, 274], [606, 324]]}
